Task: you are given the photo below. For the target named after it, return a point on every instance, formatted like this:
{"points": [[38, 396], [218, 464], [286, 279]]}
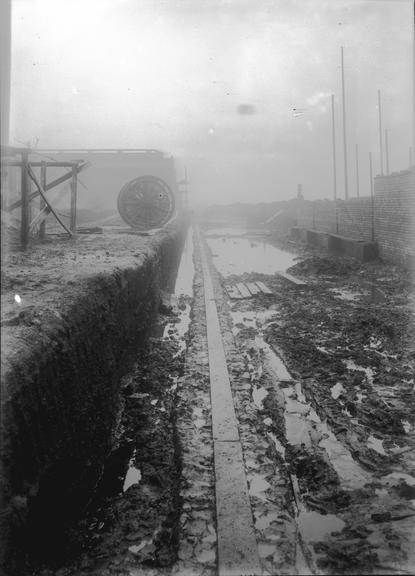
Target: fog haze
{"points": [[239, 91]]}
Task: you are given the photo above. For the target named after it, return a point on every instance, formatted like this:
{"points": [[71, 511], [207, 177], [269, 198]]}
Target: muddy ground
{"points": [[323, 384], [339, 425]]}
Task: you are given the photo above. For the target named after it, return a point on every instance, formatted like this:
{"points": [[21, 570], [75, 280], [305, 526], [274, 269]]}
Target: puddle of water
{"points": [[322, 349], [397, 477], [133, 475], [351, 365], [183, 287], [350, 472], [257, 486], [376, 445], [263, 521], [225, 232], [240, 255], [315, 527], [252, 318], [258, 395], [345, 294], [274, 361], [336, 390], [278, 446]]}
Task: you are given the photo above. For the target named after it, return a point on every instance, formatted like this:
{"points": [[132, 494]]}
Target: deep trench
{"points": [[67, 442]]}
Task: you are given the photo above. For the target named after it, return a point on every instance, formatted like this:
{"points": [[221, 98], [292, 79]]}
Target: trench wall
{"points": [[391, 221], [61, 396]]}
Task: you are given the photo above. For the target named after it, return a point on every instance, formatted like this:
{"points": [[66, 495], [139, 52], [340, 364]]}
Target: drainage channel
{"points": [[237, 546]]}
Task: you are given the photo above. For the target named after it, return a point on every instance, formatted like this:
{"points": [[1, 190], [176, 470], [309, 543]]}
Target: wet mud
{"points": [[326, 393]]}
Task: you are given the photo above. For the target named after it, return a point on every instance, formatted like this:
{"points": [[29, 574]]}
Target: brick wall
{"points": [[392, 221], [395, 216]]}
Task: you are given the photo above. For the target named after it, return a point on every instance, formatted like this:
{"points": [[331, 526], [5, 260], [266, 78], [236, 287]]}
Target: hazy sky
{"points": [[171, 74]]}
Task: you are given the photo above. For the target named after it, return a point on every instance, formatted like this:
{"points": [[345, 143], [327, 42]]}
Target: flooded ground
{"points": [[331, 382], [323, 391]]}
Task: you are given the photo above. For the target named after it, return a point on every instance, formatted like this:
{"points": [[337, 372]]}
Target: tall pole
{"points": [[387, 151], [372, 196], [380, 133], [410, 155], [357, 172], [346, 188], [333, 135]]}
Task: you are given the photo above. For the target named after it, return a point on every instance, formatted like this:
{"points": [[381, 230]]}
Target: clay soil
{"points": [[339, 428], [347, 339]]}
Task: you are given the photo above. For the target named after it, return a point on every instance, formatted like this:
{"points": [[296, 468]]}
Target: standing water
{"points": [[239, 255]]}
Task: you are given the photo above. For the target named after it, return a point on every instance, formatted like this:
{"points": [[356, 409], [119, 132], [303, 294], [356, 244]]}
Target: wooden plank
{"points": [[49, 186], [224, 423], [237, 546], [43, 194], [264, 289], [253, 288], [74, 182], [233, 292], [25, 199], [291, 278], [243, 290], [42, 205], [40, 218]]}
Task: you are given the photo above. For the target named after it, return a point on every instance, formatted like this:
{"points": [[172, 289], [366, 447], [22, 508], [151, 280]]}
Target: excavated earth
{"points": [[75, 315], [322, 376]]}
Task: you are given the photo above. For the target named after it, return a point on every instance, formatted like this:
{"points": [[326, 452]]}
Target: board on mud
{"points": [[243, 290], [247, 290], [291, 278], [264, 289], [233, 293]]}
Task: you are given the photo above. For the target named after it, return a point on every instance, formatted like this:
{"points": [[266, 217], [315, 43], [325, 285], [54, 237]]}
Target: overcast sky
{"points": [[171, 74]]}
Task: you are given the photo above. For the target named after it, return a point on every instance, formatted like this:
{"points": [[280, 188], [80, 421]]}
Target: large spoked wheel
{"points": [[145, 203]]}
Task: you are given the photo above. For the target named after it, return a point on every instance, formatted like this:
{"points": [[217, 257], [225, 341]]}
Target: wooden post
{"points": [[42, 203], [410, 156], [346, 186], [372, 196], [357, 172], [74, 183], [24, 185]]}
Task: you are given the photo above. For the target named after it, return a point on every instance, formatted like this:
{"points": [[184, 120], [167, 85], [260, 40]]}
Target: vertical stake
{"points": [[357, 172], [372, 196], [346, 187], [42, 203], [410, 156], [24, 225], [380, 133], [74, 182]]}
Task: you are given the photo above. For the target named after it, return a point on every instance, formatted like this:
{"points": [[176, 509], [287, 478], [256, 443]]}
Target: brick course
{"points": [[392, 220]]}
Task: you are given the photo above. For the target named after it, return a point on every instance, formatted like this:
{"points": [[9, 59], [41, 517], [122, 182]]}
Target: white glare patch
{"points": [[17, 299], [211, 131]]}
